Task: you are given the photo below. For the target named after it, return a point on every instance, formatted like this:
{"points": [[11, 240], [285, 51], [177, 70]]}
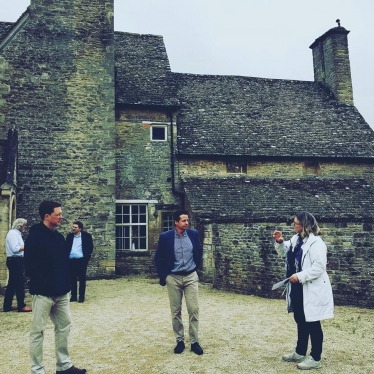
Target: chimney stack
{"points": [[331, 63]]}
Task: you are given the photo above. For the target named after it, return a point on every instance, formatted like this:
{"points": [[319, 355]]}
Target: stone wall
{"points": [[245, 260], [284, 169], [143, 169], [61, 73], [142, 166], [5, 199]]}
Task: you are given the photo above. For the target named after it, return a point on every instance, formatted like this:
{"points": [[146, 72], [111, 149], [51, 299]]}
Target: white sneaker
{"points": [[293, 357], [309, 363]]}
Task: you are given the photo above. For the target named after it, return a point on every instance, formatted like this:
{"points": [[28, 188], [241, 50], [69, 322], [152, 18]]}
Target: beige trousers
{"points": [[177, 285], [58, 309]]}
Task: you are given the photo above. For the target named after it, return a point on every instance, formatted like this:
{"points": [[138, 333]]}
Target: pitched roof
{"points": [[244, 199], [142, 70], [234, 115]]}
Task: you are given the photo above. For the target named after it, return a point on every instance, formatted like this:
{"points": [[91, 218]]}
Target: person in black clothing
{"points": [[47, 266], [80, 246]]}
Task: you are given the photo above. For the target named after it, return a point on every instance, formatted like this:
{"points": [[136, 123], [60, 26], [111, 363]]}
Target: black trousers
{"points": [[78, 270], [306, 329], [16, 283]]}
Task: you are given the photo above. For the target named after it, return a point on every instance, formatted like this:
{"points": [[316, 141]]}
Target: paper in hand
{"points": [[280, 284]]}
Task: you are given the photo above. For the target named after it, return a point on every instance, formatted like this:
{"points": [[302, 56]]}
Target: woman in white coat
{"points": [[309, 293]]}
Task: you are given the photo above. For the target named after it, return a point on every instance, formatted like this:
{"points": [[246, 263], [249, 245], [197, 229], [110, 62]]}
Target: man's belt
{"points": [[183, 272]]}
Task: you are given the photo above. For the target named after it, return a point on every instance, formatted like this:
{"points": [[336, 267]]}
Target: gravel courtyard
{"points": [[125, 327]]}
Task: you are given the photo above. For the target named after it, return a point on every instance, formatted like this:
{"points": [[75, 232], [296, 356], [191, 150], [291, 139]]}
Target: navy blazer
{"points": [[87, 244], [164, 256]]}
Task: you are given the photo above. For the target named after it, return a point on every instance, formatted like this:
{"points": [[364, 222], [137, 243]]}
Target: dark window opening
{"points": [[158, 132], [236, 167]]}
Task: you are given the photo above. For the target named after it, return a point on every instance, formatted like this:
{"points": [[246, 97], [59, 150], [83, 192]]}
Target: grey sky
{"points": [[256, 38]]}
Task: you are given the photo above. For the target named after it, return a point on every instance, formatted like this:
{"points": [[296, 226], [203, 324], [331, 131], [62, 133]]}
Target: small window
{"points": [[311, 168], [167, 221], [236, 167], [158, 132], [131, 227]]}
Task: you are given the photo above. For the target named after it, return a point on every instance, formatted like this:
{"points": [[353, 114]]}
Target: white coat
{"points": [[317, 291]]}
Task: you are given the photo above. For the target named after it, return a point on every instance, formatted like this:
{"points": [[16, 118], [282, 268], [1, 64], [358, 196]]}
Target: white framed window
{"points": [[132, 227], [167, 221], [158, 130]]}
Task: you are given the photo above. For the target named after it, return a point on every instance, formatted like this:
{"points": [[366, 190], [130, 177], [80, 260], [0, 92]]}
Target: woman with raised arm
{"points": [[309, 292]]}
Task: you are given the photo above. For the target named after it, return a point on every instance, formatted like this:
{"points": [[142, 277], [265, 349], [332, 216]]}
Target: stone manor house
{"points": [[96, 120]]}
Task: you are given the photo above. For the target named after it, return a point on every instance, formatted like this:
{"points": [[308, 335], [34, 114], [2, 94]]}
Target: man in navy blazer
{"points": [[80, 246], [178, 256]]}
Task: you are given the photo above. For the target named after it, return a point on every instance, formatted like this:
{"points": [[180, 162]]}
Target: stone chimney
{"points": [[331, 63]]}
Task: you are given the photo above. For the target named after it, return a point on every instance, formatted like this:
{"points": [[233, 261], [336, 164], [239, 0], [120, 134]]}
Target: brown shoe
{"points": [[72, 370], [25, 309]]}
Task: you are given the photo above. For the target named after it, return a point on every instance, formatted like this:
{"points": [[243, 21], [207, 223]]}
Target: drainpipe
{"points": [[172, 160]]}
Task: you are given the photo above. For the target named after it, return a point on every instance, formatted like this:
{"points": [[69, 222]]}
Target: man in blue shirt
{"points": [[16, 283], [177, 258], [80, 246]]}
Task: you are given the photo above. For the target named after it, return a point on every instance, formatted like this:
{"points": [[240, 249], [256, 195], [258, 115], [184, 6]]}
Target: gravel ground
{"points": [[125, 327]]}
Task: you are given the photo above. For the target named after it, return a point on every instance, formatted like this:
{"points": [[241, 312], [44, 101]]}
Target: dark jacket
{"points": [[47, 262], [164, 256], [87, 244]]}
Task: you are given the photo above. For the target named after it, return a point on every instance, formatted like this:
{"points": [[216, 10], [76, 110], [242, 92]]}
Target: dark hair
{"points": [[178, 213], [79, 223], [47, 207], [309, 224]]}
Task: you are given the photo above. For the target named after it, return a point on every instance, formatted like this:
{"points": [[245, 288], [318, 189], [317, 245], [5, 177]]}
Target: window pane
{"points": [[118, 243], [143, 243], [119, 231], [142, 230], [167, 221], [126, 243], [126, 218], [158, 133], [131, 227]]}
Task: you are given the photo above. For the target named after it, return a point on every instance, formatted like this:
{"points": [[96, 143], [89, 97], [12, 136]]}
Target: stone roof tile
{"points": [[142, 70], [240, 199], [234, 115]]}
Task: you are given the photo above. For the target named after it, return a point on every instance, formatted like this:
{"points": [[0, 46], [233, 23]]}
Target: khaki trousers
{"points": [[177, 285], [58, 309]]}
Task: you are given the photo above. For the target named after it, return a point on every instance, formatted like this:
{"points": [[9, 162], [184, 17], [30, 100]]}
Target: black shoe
{"points": [[195, 347], [81, 300], [72, 370], [12, 308], [179, 348], [73, 299]]}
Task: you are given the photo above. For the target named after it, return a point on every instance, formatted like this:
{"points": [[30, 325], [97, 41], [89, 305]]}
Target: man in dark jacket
{"points": [[47, 266], [80, 246], [177, 258]]}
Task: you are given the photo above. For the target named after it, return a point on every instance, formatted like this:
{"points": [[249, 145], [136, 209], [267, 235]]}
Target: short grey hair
{"points": [[19, 222]]}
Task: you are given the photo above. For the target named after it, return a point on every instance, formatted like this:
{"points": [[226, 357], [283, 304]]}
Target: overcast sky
{"points": [[256, 38]]}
